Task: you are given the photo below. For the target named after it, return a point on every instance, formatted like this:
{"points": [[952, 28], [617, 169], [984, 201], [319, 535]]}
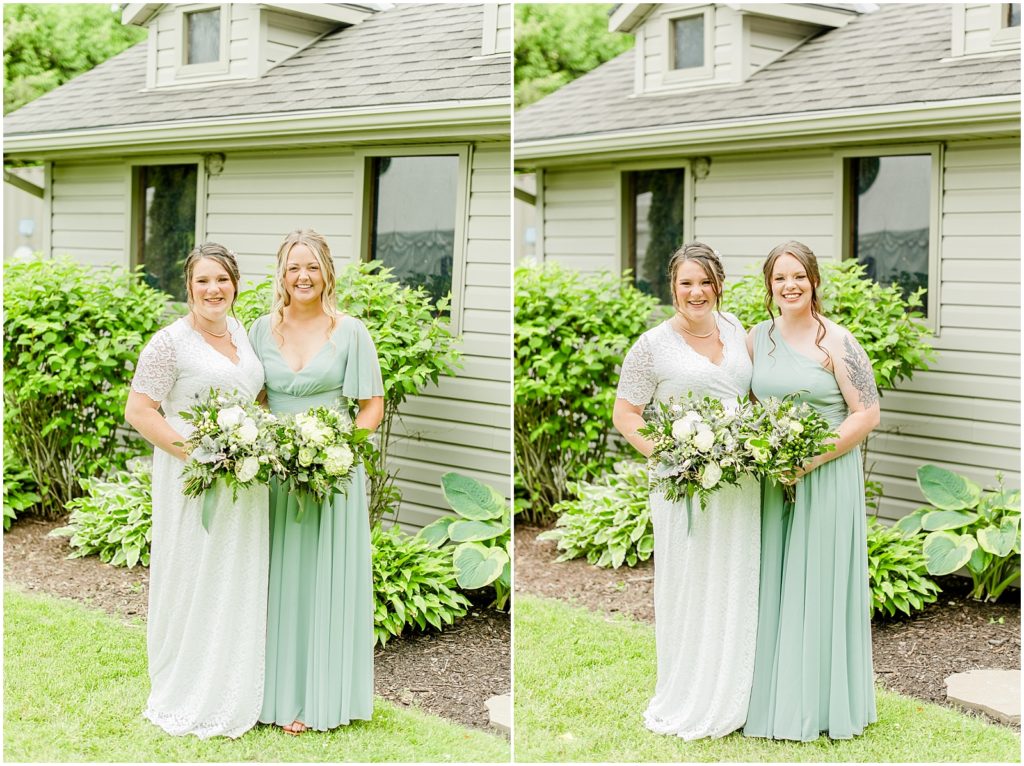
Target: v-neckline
{"points": [[803, 356], [313, 358], [215, 350], [721, 338]]}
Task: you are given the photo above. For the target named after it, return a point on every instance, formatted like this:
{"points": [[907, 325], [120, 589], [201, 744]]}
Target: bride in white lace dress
{"points": [[207, 590], [705, 578]]}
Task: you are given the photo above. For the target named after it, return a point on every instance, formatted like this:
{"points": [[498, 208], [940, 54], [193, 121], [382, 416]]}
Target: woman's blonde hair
{"points": [[328, 299], [805, 256]]}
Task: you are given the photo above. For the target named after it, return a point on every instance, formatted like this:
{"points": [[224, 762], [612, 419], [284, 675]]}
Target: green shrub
{"points": [[413, 585], [414, 345], [114, 518], [968, 527], [482, 529], [571, 333], [71, 337], [897, 572], [19, 489], [609, 522], [879, 318]]}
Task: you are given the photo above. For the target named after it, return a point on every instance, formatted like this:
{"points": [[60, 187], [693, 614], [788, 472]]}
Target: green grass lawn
{"points": [[582, 682], [75, 685]]}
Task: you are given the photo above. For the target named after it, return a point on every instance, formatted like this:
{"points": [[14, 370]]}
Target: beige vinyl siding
{"points": [[497, 37], [89, 212], [653, 64], [286, 34], [768, 39], [464, 423], [581, 208]]}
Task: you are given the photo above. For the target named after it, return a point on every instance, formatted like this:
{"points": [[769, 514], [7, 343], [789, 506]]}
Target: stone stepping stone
{"points": [[996, 692], [499, 708]]}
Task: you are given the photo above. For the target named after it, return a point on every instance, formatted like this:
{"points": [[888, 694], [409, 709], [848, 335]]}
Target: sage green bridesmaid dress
{"points": [[812, 664], [319, 659]]}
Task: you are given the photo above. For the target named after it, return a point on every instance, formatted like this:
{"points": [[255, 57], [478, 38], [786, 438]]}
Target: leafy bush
{"points": [[968, 527], [571, 333], [483, 530], [19, 489], [897, 572], [609, 522], [413, 584], [114, 518], [414, 345], [879, 318], [71, 336]]}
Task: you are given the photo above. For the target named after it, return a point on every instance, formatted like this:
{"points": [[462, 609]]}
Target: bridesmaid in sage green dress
{"points": [[319, 660], [812, 665]]}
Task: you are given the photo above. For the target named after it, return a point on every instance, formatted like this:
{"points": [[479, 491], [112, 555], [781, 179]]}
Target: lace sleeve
{"points": [[636, 379], [157, 368]]}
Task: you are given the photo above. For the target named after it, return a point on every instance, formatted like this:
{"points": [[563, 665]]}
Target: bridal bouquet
{"points": [[698, 446], [234, 440], [319, 450], [782, 436]]}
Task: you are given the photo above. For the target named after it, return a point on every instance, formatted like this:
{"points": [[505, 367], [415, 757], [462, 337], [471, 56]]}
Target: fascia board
{"points": [[1000, 113], [627, 16], [339, 14], [137, 14], [803, 12], [483, 118]]}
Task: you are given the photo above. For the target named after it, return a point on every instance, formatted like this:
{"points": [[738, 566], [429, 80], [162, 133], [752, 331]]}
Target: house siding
{"points": [[166, 45], [464, 423], [964, 413]]}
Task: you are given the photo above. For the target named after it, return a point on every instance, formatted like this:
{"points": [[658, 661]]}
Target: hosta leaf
{"points": [[936, 520], [946, 490], [436, 533], [945, 552], [472, 499], [999, 541], [910, 524], [477, 566], [471, 531]]}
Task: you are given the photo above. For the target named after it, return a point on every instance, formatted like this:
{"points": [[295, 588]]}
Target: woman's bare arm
{"points": [[627, 418], [144, 416]]}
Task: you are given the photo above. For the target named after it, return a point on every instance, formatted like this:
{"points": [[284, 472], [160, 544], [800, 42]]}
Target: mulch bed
{"points": [[449, 674], [912, 656]]}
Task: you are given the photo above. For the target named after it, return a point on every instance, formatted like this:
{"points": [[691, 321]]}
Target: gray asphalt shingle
{"points": [[408, 54], [893, 55]]}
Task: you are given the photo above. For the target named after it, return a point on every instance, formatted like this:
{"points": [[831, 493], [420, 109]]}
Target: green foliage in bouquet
{"points": [[968, 526], [414, 344], [897, 571], [885, 325], [414, 585], [72, 335], [571, 334], [114, 518], [609, 521], [482, 533], [19, 489]]}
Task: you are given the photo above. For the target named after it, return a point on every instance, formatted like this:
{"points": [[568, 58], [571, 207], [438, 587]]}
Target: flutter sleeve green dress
{"points": [[812, 664], [319, 659]]}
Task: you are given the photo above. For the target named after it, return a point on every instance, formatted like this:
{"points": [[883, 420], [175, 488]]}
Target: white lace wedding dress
{"points": [[705, 578], [206, 631]]}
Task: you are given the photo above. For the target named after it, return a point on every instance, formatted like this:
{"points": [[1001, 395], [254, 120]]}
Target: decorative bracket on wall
{"points": [[214, 163], [701, 167]]}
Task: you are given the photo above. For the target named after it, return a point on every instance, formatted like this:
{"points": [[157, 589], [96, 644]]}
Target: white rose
{"points": [[312, 432], [306, 456], [692, 415], [681, 429], [711, 476], [247, 432], [338, 459], [230, 417], [704, 439], [247, 468], [796, 427]]}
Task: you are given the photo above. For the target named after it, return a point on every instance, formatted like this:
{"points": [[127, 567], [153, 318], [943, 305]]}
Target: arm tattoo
{"points": [[858, 367]]}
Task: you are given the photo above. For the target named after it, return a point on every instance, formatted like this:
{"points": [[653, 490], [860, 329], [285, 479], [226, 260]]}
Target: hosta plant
{"points": [[482, 533], [413, 585], [113, 519], [897, 571], [609, 521], [968, 526]]}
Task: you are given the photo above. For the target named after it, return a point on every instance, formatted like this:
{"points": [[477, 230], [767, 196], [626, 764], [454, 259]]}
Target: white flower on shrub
{"points": [[705, 438], [338, 459], [711, 476], [230, 417], [247, 432], [247, 468]]}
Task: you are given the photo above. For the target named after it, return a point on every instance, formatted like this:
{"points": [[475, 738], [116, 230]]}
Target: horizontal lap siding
{"points": [[581, 211], [89, 212], [464, 423], [964, 413]]}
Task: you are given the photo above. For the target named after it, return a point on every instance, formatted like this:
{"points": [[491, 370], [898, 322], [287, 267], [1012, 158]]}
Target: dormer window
{"points": [[202, 36], [689, 36]]}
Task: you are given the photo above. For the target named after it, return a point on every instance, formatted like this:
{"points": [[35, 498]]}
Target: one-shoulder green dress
{"points": [[812, 664], [319, 660]]}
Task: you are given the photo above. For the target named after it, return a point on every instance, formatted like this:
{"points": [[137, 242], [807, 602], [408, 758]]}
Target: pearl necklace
{"points": [[208, 332], [697, 335]]}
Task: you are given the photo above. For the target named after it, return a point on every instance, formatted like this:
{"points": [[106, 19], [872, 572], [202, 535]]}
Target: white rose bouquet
{"points": [[319, 450], [699, 446], [234, 440], [782, 435]]}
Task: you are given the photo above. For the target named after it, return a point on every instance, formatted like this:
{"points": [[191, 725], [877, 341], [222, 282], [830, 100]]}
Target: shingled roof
{"points": [[410, 54], [895, 55]]}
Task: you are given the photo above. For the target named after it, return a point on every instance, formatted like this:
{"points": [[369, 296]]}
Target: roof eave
{"points": [[482, 117], [997, 113]]}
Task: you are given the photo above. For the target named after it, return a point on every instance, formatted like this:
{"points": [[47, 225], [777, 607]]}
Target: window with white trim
{"points": [[202, 36], [164, 223], [655, 207]]}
